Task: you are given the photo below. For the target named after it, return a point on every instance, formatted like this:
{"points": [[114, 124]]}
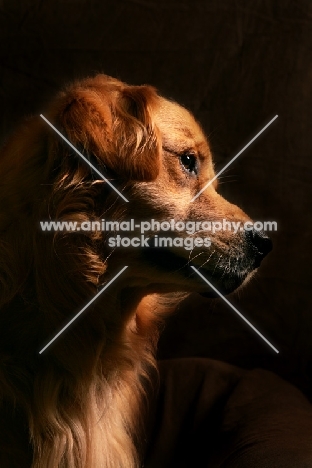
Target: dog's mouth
{"points": [[225, 280]]}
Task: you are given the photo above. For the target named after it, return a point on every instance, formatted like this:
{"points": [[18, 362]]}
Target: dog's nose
{"points": [[260, 243]]}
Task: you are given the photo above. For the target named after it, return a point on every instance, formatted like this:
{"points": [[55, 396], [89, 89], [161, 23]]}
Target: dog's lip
{"points": [[223, 285], [165, 258]]}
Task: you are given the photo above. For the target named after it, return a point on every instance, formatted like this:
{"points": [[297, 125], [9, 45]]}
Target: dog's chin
{"points": [[224, 283]]}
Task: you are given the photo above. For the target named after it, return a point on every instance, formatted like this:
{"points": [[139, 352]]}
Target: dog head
{"points": [[155, 153], [158, 155]]}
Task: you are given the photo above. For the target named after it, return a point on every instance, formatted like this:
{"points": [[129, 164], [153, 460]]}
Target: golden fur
{"points": [[84, 401]]}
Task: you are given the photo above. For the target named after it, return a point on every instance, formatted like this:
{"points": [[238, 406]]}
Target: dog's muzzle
{"points": [[225, 271]]}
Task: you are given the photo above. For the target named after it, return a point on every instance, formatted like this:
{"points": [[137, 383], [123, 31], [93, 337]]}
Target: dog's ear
{"points": [[115, 124], [137, 137]]}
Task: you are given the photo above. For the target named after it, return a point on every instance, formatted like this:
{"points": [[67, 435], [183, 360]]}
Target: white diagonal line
{"points": [[235, 310], [83, 309], [233, 159], [84, 158]]}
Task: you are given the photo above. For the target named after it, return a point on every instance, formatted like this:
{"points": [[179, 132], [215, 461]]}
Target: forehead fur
{"points": [[179, 127]]}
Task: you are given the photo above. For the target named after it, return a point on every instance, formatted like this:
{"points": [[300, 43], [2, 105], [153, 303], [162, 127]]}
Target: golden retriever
{"points": [[82, 403]]}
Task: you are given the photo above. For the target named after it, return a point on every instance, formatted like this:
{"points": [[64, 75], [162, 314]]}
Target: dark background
{"points": [[234, 64]]}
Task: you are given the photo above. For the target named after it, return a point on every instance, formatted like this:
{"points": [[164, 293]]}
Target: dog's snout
{"points": [[260, 243]]}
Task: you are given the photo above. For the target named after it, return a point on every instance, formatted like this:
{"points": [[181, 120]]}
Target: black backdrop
{"points": [[234, 64]]}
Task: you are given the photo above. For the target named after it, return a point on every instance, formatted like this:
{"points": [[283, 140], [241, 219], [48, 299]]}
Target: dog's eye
{"points": [[189, 162]]}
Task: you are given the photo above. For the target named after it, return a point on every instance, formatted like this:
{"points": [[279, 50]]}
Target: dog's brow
{"points": [[179, 152]]}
